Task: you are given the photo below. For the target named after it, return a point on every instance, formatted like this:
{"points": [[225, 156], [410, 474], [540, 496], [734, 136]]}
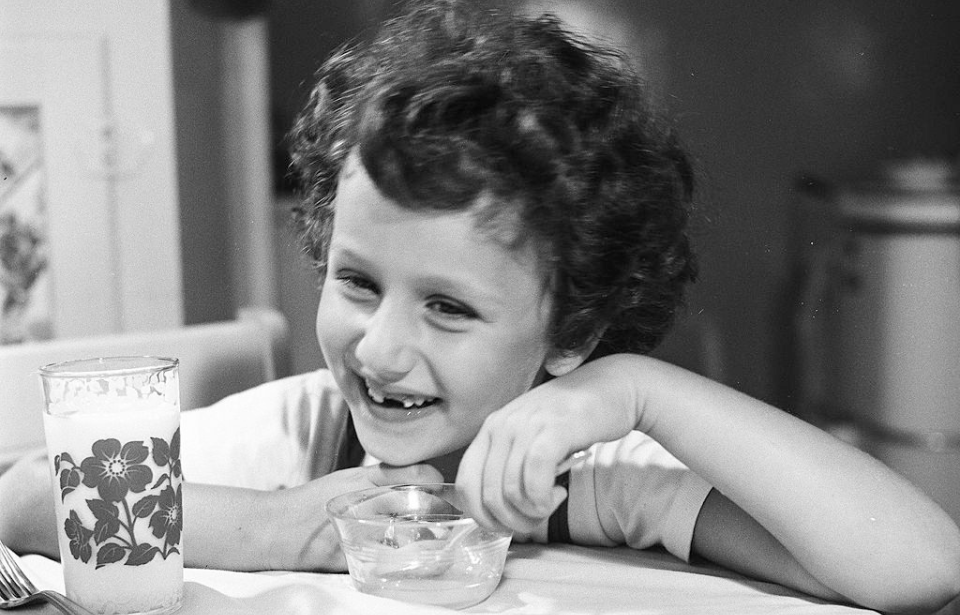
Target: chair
{"points": [[216, 359]]}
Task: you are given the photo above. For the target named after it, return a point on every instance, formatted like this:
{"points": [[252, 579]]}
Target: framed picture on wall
{"points": [[57, 263], [25, 309]]}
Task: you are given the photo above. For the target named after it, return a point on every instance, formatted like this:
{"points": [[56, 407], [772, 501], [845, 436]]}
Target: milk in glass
{"points": [[115, 460]]}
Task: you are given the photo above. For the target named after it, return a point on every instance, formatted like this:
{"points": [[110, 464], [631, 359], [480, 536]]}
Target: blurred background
{"points": [[766, 94], [826, 134], [769, 97]]}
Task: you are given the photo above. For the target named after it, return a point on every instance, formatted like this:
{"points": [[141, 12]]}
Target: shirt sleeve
{"points": [[633, 491], [279, 434]]}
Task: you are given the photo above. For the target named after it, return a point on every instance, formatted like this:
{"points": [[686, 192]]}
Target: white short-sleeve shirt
{"points": [[290, 431]]}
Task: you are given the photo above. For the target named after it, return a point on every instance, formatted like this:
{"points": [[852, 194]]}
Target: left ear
{"points": [[560, 362]]}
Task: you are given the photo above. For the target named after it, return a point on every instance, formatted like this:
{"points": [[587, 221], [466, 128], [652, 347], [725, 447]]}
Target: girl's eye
{"points": [[357, 284], [451, 309]]}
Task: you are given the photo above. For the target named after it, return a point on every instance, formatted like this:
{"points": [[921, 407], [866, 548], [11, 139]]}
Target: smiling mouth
{"points": [[410, 403]]}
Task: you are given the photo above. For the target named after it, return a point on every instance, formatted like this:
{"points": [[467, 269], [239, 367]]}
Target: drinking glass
{"points": [[113, 439]]}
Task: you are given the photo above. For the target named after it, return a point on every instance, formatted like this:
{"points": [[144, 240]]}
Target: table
{"points": [[538, 579]]}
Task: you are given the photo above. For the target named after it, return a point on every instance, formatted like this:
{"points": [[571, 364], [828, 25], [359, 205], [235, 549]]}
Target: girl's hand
{"points": [[280, 530], [315, 544], [507, 475]]}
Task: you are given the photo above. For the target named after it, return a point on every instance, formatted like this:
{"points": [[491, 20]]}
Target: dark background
{"points": [[762, 91]]}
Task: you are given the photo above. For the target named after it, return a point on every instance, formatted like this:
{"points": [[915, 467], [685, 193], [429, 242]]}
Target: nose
{"points": [[387, 349]]}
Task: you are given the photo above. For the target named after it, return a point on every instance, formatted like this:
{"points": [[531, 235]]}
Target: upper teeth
{"points": [[408, 401]]}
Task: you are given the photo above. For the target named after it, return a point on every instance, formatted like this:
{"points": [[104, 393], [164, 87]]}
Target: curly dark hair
{"points": [[451, 102]]}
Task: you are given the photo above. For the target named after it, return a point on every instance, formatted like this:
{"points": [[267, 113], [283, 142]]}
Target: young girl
{"points": [[500, 225]]}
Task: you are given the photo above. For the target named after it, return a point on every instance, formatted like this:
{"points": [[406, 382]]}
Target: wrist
{"points": [[263, 536], [292, 531], [628, 378], [229, 528]]}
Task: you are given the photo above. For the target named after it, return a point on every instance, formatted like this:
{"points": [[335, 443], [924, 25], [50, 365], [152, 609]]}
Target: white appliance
{"points": [[878, 322]]}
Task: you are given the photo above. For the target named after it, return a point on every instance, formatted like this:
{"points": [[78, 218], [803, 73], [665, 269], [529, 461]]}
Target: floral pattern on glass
{"points": [[128, 494]]}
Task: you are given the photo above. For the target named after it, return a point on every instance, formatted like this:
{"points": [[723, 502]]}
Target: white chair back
{"points": [[216, 359]]}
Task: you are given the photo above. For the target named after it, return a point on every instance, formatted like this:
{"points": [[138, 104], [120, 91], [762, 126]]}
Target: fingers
{"points": [[539, 474], [506, 478], [470, 481], [528, 476], [479, 483], [499, 488]]}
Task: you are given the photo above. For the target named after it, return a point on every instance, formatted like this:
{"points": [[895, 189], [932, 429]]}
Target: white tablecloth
{"points": [[538, 579]]}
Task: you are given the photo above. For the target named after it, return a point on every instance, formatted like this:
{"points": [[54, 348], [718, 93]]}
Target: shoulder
{"points": [[284, 406], [309, 388], [636, 461], [634, 450], [276, 434], [633, 491]]}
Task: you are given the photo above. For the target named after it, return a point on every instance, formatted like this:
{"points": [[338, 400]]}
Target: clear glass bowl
{"points": [[413, 543]]}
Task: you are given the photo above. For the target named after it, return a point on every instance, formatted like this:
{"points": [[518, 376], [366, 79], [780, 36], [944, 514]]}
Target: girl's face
{"points": [[427, 324]]}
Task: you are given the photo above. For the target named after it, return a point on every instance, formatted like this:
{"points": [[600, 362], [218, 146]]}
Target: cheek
{"points": [[494, 378], [329, 328]]}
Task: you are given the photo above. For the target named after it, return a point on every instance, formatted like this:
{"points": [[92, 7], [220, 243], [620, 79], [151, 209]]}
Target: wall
{"points": [[762, 91], [184, 235], [100, 75]]}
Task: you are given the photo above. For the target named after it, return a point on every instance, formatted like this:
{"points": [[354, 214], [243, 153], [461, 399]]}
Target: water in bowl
{"points": [[420, 569]]}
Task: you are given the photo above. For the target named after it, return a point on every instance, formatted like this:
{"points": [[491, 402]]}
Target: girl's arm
{"points": [[858, 528], [27, 522], [224, 527], [792, 503], [246, 529]]}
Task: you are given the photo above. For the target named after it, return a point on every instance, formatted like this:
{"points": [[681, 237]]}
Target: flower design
{"points": [[175, 468], [168, 454], [79, 537], [114, 470], [168, 520]]}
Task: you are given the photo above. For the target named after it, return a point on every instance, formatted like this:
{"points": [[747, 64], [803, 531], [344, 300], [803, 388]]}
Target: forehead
{"points": [[463, 247], [495, 219]]}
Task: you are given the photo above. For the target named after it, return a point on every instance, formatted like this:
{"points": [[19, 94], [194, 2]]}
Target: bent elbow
{"points": [[933, 598], [924, 589], [944, 571], [944, 586]]}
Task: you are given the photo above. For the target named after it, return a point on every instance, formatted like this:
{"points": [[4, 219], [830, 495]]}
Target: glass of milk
{"points": [[113, 439]]}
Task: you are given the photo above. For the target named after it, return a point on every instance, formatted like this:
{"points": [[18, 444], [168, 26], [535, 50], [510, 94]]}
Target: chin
{"points": [[391, 457], [391, 451], [394, 451]]}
